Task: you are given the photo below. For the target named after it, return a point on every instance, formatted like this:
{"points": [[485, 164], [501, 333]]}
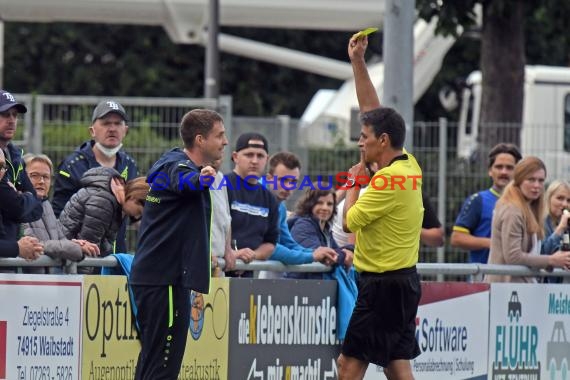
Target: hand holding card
{"points": [[365, 32]]}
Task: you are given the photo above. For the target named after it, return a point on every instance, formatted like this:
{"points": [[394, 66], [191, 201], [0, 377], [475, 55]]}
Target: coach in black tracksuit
{"points": [[173, 254]]}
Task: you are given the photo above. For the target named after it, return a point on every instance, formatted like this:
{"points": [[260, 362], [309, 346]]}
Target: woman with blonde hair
{"points": [[47, 229], [517, 228], [556, 219], [557, 199]]}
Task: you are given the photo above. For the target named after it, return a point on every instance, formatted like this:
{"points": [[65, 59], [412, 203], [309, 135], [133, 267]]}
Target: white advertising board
{"points": [[529, 332], [40, 327], [451, 329]]}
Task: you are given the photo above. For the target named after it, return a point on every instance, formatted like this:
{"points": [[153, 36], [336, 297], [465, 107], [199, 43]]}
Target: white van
{"points": [[545, 128]]}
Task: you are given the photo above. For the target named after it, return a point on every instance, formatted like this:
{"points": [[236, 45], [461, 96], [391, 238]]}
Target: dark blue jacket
{"points": [[9, 248], [17, 170], [174, 236], [307, 232], [16, 208], [71, 170]]}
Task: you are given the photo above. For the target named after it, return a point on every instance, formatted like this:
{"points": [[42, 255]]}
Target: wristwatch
{"points": [[350, 183]]}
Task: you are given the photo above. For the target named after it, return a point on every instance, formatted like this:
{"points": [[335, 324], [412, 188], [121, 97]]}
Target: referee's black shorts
{"points": [[383, 324]]}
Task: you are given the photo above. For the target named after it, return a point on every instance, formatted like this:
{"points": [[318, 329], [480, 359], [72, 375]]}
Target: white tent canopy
{"points": [[184, 19]]}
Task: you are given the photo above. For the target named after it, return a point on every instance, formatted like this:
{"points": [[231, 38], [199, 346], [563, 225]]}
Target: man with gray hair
{"points": [[108, 129]]}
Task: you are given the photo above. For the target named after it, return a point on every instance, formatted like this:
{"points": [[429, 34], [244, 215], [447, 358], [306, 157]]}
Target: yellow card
{"points": [[366, 32]]}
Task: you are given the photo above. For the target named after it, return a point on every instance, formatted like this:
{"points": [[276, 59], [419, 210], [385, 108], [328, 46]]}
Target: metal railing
{"points": [[473, 271]]}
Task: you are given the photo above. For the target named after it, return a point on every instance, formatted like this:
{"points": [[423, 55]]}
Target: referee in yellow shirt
{"points": [[387, 220]]}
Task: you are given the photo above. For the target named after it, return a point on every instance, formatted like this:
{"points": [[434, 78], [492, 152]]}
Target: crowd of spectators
{"points": [[96, 194]]}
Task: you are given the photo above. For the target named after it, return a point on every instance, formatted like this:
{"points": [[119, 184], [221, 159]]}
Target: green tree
{"points": [[534, 31], [127, 60], [502, 57], [120, 60]]}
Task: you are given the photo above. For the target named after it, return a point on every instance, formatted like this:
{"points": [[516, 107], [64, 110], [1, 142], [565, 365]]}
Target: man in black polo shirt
{"points": [[255, 211]]}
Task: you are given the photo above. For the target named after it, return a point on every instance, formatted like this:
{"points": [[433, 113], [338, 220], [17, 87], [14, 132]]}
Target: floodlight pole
{"points": [[212, 72]]}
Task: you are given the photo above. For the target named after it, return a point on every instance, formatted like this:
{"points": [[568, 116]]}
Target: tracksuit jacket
{"points": [[174, 236]]}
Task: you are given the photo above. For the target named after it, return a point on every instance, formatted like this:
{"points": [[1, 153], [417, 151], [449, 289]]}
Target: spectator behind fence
{"points": [[15, 169], [472, 229], [255, 212], [311, 227], [173, 254], [557, 200], [97, 210], [47, 229], [518, 224], [13, 208], [108, 129], [16, 206], [282, 180], [432, 233], [221, 225], [29, 208]]}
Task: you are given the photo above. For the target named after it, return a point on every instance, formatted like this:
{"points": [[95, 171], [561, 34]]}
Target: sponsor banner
{"points": [[110, 338], [283, 329], [529, 335], [451, 330], [206, 355], [111, 342], [40, 332]]}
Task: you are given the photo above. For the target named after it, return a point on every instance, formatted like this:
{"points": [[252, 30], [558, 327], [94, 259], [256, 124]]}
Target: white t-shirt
{"points": [[339, 235], [222, 220]]}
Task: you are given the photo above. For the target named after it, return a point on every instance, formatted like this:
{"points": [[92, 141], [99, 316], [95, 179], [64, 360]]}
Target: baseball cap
{"points": [[107, 106], [243, 141], [8, 101]]}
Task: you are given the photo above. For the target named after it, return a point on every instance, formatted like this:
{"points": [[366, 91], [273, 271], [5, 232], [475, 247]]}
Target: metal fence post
{"points": [[225, 108], [70, 267], [37, 124], [441, 185], [285, 123]]}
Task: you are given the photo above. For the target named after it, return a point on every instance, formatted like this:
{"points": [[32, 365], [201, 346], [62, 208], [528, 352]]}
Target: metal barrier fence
{"points": [[428, 271], [453, 168], [60, 124]]}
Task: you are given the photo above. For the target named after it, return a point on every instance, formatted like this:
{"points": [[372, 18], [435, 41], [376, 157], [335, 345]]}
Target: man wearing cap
{"points": [[14, 182], [15, 173], [254, 210], [108, 129], [15, 207]]}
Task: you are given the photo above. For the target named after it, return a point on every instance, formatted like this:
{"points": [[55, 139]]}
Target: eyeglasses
{"points": [[38, 177]]}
